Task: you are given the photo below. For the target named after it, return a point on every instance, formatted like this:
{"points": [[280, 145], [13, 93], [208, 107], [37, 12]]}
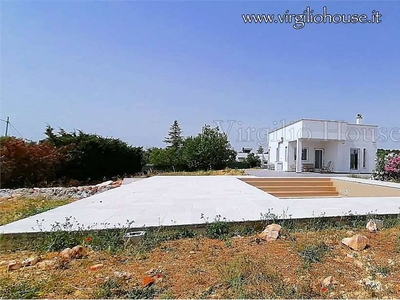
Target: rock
{"points": [[45, 264], [31, 261], [66, 254], [373, 284], [152, 271], [326, 282], [96, 267], [374, 225], [357, 242], [371, 226], [271, 232], [13, 265], [123, 275], [192, 252], [3, 263], [148, 281], [358, 264], [78, 251], [104, 183]]}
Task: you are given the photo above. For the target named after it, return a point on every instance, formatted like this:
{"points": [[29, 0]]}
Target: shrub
{"points": [[27, 163], [91, 157], [68, 158], [314, 253], [392, 167], [387, 166], [218, 229]]}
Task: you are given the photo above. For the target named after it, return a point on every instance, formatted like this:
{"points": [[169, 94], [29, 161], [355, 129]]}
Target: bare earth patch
{"points": [[297, 265]]}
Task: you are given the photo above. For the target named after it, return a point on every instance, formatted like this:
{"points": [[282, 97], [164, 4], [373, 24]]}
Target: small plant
{"points": [[72, 233], [112, 288], [142, 293], [382, 270], [62, 235], [153, 238], [218, 229], [314, 253], [269, 216]]}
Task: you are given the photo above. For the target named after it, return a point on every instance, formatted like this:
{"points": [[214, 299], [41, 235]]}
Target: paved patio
{"points": [[173, 200]]}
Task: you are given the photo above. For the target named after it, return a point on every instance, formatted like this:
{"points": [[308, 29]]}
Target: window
{"points": [[286, 153], [364, 158], [304, 154]]}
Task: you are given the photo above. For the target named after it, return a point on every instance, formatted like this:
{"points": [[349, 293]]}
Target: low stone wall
{"points": [[79, 192]]}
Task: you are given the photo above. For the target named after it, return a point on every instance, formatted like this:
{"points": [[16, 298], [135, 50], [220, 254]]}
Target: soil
{"points": [[239, 267]]}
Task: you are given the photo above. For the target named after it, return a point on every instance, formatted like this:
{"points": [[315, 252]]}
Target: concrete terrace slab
{"points": [[181, 200]]}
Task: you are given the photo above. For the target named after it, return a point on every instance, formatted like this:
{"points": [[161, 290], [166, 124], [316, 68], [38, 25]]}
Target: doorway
{"points": [[354, 158], [319, 158]]}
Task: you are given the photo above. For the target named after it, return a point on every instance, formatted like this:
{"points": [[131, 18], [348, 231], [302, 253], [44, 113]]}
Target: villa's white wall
{"points": [[360, 137], [289, 133], [323, 130], [335, 138]]}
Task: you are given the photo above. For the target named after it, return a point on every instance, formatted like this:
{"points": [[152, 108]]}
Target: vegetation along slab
{"points": [[171, 200]]}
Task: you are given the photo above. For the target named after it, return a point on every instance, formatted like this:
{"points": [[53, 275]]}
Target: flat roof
{"points": [[320, 120]]}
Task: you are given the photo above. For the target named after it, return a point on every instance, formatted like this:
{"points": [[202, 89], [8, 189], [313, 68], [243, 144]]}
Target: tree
{"points": [[27, 164], [210, 149], [260, 150], [164, 158], [174, 138], [91, 157], [253, 160]]}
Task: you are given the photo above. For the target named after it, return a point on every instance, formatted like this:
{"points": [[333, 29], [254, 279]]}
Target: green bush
{"points": [[64, 157], [92, 158], [218, 229], [383, 161]]}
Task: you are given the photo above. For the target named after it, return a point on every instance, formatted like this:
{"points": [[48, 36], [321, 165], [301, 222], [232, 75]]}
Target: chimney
{"points": [[359, 119]]}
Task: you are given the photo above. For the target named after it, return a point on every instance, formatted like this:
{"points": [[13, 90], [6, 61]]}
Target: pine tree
{"points": [[174, 138]]}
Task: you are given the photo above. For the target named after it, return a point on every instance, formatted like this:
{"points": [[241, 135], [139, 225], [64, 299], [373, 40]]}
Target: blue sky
{"points": [[127, 69]]}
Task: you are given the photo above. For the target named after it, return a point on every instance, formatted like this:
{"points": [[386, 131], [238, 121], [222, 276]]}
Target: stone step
{"points": [[269, 179], [290, 183], [305, 194], [327, 188]]}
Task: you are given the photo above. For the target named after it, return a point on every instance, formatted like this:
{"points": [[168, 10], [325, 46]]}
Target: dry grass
{"points": [[210, 268], [18, 208]]}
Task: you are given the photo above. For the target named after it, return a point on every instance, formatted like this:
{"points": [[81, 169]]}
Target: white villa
{"points": [[245, 151], [323, 145]]}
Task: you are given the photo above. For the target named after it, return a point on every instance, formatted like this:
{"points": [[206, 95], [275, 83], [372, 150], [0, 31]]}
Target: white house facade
{"points": [[245, 151], [323, 145]]}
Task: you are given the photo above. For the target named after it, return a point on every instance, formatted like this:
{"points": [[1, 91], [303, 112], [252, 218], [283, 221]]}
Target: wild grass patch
{"points": [[18, 290], [245, 278], [19, 208]]}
